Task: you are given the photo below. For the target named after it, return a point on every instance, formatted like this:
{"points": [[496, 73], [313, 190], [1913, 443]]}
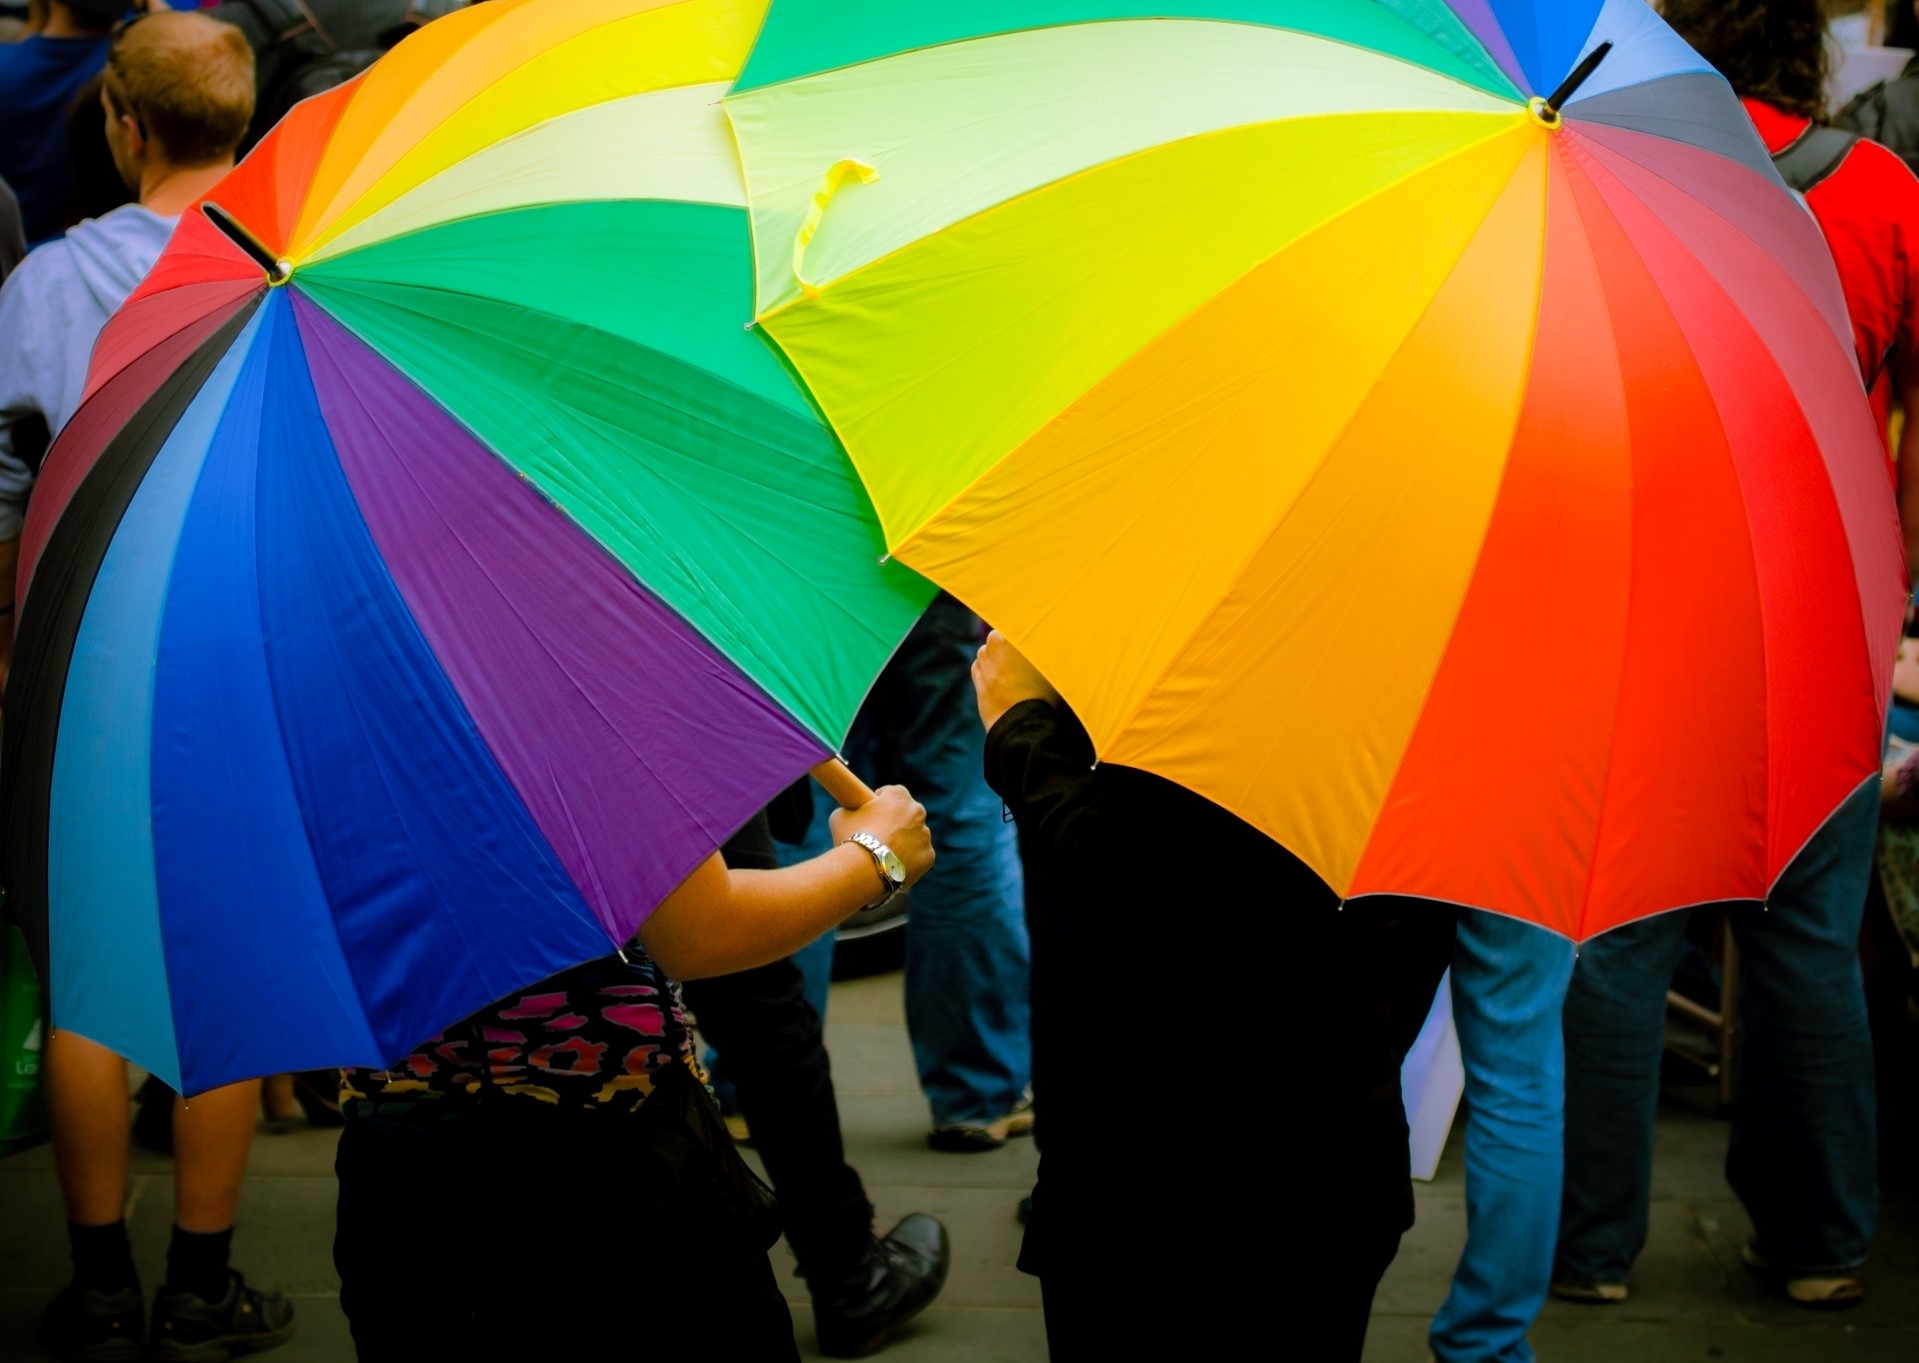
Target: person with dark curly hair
{"points": [[1804, 1147], [1773, 51]]}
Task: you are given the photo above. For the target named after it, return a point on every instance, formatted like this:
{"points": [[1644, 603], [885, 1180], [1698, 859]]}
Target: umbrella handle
{"points": [[837, 780]]}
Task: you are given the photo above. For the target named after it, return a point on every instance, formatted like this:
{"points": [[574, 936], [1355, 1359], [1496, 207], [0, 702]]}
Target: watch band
{"points": [[879, 852]]}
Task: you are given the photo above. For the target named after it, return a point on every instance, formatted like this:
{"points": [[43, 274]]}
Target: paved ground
{"points": [[1693, 1301]]}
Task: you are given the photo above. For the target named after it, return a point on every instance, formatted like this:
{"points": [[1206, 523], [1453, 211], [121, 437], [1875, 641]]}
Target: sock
{"points": [[102, 1258], [197, 1263]]}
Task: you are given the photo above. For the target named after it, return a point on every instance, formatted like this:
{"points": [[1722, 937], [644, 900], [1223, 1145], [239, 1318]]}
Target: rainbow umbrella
{"points": [[437, 570], [1430, 431]]}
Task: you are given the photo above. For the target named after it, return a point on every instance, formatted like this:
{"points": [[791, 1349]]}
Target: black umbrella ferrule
{"points": [[1581, 73], [277, 271]]}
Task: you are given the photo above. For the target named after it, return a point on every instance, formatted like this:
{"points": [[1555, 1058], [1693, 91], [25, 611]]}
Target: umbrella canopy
{"points": [[437, 570], [1465, 480]]}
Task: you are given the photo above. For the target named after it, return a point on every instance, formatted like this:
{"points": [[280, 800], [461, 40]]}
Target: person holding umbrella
{"points": [[542, 1125], [1326, 999]]}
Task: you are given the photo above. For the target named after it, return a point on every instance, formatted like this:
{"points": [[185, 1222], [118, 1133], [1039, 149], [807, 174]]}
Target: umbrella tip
{"points": [[278, 271], [1545, 109]]}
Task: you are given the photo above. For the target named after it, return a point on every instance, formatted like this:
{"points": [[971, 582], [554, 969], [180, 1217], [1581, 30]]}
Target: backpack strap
{"points": [[280, 18], [1809, 159]]}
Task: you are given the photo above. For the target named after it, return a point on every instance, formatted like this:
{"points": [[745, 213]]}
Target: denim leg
{"points": [[1615, 1031], [1804, 1152], [968, 959], [1509, 980]]}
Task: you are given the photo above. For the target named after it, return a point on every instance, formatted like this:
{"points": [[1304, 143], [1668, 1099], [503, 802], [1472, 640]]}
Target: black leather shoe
{"points": [[895, 1280], [84, 1326]]}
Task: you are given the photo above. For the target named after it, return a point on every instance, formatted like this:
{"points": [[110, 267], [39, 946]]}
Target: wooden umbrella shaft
{"points": [[837, 780]]}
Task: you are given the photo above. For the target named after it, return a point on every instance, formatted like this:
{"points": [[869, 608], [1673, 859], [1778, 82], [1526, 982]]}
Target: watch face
{"points": [[895, 868]]}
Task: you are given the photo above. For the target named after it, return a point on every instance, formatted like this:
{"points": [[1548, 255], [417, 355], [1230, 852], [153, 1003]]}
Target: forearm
{"points": [[723, 920]]}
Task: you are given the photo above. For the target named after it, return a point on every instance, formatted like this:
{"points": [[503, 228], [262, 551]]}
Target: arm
{"points": [[721, 920], [1038, 759]]}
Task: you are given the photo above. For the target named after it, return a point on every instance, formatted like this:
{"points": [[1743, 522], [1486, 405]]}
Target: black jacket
{"points": [[1198, 992]]}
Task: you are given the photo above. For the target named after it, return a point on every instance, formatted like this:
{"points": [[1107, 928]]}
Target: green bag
{"points": [[23, 1107]]}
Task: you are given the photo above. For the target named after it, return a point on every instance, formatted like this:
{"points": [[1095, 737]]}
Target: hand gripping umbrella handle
{"points": [[837, 780]]}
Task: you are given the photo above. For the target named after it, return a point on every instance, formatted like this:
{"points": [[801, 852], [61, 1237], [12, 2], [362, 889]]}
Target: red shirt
{"points": [[1869, 211]]}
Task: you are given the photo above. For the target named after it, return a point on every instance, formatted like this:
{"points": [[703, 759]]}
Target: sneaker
{"points": [[1829, 1292], [971, 1140], [89, 1325], [1592, 1294], [189, 1329], [896, 1279]]}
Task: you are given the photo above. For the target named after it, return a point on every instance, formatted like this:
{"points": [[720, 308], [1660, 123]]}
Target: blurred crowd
{"points": [[117, 121]]}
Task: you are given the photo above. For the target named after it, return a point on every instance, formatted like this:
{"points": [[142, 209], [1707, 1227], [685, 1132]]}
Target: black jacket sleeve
{"points": [[1040, 762]]}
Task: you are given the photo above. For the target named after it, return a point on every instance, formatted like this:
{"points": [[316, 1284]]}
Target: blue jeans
{"points": [[967, 955], [1509, 980], [1804, 1150]]}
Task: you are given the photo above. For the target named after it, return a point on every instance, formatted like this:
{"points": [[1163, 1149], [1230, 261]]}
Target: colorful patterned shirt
{"points": [[590, 1037]]}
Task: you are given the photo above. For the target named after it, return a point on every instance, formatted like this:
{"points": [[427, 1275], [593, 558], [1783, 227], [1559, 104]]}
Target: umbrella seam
{"points": [[1751, 537], [1508, 124], [1319, 469], [700, 578], [881, 58], [335, 210]]}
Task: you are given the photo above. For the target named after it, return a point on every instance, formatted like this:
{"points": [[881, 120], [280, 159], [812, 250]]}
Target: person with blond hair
{"points": [[176, 96]]}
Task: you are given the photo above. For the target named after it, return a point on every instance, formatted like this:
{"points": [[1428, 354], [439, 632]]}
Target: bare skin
{"points": [[1002, 678], [721, 920], [86, 1087]]}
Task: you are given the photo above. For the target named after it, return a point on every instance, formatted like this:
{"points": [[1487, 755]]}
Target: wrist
{"points": [[865, 872], [887, 867]]}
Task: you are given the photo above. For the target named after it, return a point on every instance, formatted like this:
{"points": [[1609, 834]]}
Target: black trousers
{"points": [[520, 1231], [776, 1057]]}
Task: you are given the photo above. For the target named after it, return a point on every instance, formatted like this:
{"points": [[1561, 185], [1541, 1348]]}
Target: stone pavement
{"points": [[1692, 1300]]}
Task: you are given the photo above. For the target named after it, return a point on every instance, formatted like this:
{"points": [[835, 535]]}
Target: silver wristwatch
{"points": [[892, 870]]}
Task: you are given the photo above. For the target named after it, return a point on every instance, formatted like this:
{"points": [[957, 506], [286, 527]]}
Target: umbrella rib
{"points": [[1588, 157], [618, 733], [600, 424], [1505, 125], [654, 535]]}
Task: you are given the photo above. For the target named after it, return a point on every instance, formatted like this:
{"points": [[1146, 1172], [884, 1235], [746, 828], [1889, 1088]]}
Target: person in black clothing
{"points": [[548, 1178], [1136, 887], [863, 1288]]}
